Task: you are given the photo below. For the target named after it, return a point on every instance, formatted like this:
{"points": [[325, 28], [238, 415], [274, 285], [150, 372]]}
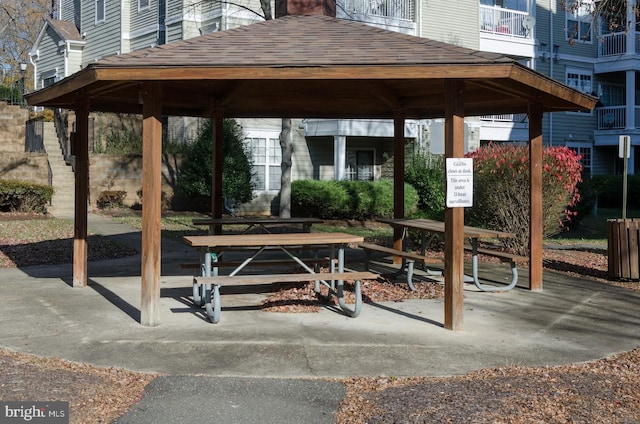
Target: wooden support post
{"points": [[81, 195], [151, 206], [454, 217], [217, 201], [535, 197], [398, 178]]}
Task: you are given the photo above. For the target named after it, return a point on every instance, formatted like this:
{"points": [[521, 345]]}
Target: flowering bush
{"points": [[501, 190]]}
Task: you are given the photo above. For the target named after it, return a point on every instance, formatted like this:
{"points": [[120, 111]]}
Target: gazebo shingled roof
{"points": [[359, 71], [308, 67]]}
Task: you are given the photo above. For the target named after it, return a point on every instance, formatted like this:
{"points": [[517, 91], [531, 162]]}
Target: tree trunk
{"points": [[285, 166]]}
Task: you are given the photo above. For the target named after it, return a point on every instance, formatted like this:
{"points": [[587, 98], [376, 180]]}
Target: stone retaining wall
{"points": [[124, 173], [32, 167]]}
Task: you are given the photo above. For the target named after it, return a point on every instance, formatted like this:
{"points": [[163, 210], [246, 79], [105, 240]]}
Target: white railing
{"points": [[515, 118], [610, 117], [612, 44], [508, 22], [398, 9]]}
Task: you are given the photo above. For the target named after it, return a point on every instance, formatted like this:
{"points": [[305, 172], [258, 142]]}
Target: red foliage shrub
{"points": [[501, 190]]}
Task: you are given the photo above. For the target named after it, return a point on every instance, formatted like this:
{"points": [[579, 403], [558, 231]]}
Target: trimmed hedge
{"points": [[23, 196], [360, 200]]}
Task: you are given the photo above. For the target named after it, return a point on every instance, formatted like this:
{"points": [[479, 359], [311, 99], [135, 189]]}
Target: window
{"points": [[578, 18], [49, 78], [581, 80], [359, 165], [267, 158], [100, 4], [585, 159], [143, 5], [612, 94]]}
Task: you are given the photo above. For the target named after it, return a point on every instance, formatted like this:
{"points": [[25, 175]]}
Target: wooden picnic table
{"points": [[289, 243], [430, 228], [262, 223]]}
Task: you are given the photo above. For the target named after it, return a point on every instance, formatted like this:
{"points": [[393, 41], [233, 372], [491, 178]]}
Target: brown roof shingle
{"points": [[311, 66], [66, 29], [304, 41]]}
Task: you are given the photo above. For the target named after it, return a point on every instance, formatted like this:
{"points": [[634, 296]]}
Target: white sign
{"points": [[459, 182], [625, 146]]}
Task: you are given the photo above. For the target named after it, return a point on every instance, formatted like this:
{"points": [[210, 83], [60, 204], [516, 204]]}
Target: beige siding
{"points": [[51, 59], [454, 22], [144, 25], [74, 60], [103, 38]]}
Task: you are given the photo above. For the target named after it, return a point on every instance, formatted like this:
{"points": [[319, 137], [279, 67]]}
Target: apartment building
{"points": [[534, 32]]}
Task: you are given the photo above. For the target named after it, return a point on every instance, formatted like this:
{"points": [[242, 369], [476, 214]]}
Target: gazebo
{"points": [[306, 66]]}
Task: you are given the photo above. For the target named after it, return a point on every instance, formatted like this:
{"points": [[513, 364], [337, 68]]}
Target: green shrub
{"points": [[321, 199], [359, 200], [609, 190], [426, 174], [195, 177], [22, 196], [586, 204], [111, 199], [501, 190]]}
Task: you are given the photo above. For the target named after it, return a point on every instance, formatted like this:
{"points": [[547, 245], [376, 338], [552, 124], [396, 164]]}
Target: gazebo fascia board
{"points": [[501, 88], [321, 68]]}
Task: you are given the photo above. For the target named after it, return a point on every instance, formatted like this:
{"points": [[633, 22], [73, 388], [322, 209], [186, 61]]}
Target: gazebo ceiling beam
{"points": [[385, 93]]}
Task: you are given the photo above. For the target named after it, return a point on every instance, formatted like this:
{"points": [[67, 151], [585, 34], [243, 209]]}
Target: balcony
{"points": [[614, 118], [615, 44], [507, 127], [511, 118], [505, 22], [395, 9]]}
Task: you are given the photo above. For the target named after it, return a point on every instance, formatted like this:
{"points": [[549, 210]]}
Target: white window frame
{"points": [[272, 158], [144, 5], [580, 72], [350, 175], [579, 148], [100, 4], [582, 14], [48, 76]]}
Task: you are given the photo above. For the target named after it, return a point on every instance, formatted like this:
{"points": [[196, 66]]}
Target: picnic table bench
{"points": [[408, 260], [430, 228], [503, 256], [212, 286]]}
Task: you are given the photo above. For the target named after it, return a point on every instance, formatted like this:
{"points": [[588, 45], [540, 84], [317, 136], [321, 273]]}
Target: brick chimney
{"points": [[305, 7]]}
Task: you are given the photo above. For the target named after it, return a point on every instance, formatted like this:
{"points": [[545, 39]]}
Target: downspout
{"points": [[551, 59], [35, 72], [66, 58], [419, 17]]}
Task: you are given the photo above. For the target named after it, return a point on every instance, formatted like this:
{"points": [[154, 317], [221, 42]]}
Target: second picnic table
{"points": [[429, 228], [262, 223], [287, 243]]}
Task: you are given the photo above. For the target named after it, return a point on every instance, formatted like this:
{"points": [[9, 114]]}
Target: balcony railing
{"points": [[515, 118], [615, 44], [614, 118], [611, 117], [507, 22], [398, 9]]}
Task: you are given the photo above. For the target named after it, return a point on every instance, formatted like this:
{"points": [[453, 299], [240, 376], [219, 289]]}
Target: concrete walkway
{"points": [[255, 364]]}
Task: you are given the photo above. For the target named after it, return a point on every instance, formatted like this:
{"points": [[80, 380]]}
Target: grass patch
{"points": [[592, 228]]}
